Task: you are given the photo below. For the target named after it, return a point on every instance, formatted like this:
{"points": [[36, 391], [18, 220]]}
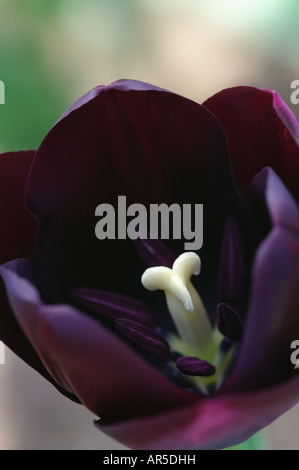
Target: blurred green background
{"points": [[53, 51]]}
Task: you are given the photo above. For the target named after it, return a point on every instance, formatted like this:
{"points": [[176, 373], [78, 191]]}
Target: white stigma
{"points": [[184, 303]]}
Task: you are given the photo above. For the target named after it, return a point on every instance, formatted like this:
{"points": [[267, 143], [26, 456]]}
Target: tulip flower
{"points": [[171, 349]]}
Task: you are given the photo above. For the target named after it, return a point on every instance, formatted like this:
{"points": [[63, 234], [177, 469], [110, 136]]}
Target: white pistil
{"points": [[183, 301]]}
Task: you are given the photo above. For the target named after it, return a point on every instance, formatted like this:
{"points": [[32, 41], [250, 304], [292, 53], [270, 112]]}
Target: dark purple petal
{"points": [[18, 227], [112, 306], [286, 116], [17, 235], [261, 131], [83, 356], [272, 320], [135, 140], [273, 196], [194, 367], [208, 424], [145, 338], [228, 322], [11, 332], [232, 275]]}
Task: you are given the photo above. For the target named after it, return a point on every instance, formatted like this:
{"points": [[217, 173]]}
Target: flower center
{"points": [[198, 343], [183, 301]]}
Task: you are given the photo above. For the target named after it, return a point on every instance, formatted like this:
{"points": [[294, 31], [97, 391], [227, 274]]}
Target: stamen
{"points": [[113, 306], [195, 367], [145, 338], [228, 322], [183, 301], [232, 271]]}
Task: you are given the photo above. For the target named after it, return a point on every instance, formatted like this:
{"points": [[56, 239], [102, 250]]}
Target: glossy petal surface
{"points": [[127, 139], [262, 131], [86, 359]]}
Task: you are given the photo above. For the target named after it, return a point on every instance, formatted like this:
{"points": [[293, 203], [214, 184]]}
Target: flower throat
{"points": [[197, 345]]}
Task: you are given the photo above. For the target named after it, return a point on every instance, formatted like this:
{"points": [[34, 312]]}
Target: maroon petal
{"points": [[272, 321], [18, 228], [11, 332], [286, 116], [215, 423], [130, 139], [17, 235], [85, 358], [262, 131]]}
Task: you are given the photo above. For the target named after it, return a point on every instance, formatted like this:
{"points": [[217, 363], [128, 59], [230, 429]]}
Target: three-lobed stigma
{"points": [[197, 340]]}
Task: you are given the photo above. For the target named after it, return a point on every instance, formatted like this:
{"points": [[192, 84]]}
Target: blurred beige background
{"points": [[52, 52]]}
